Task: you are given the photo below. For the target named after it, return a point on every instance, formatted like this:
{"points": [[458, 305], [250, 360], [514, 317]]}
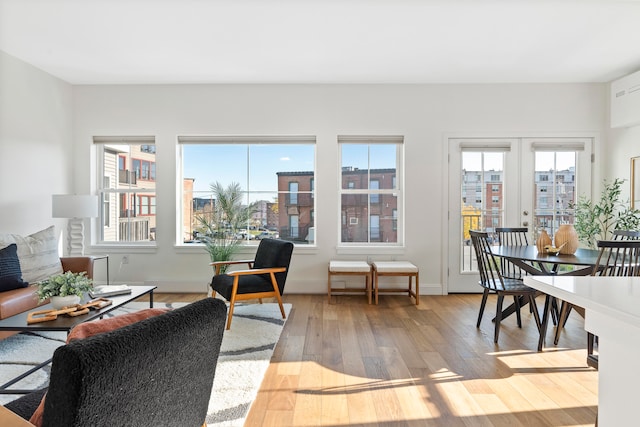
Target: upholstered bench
{"points": [[349, 268], [396, 268]]}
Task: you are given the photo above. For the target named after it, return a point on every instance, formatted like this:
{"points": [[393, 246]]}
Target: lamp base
{"points": [[75, 237]]}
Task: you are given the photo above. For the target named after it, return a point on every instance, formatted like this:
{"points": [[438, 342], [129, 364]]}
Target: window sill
{"points": [[370, 250], [124, 248]]}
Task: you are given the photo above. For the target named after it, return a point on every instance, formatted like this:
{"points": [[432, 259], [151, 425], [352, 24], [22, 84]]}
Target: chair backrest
{"points": [[274, 253], [512, 236], [158, 371], [626, 235], [618, 258], [488, 267]]}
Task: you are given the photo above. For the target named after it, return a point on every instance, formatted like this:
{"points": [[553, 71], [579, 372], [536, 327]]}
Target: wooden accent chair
{"points": [[512, 236], [265, 277], [491, 280], [157, 371]]}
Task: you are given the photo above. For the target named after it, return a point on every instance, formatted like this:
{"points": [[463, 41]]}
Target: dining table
{"points": [[536, 263]]}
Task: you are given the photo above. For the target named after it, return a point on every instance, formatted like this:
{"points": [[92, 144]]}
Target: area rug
{"points": [[244, 357]]}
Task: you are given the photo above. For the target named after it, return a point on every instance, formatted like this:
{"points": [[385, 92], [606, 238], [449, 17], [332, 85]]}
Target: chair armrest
{"points": [[78, 264], [230, 262], [258, 271]]}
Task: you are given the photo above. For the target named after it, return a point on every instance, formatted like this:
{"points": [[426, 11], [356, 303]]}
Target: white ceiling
{"points": [[324, 41]]}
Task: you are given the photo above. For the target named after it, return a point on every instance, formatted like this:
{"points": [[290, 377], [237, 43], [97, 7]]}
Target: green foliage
{"points": [[64, 284], [596, 221], [220, 229]]}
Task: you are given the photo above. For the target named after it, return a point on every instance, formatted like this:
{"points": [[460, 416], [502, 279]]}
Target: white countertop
{"points": [[617, 297]]}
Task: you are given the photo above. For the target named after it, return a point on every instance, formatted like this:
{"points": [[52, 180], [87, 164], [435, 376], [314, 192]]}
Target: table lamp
{"points": [[76, 208]]}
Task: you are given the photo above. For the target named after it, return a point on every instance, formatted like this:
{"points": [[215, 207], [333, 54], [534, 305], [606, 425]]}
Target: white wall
{"points": [[624, 144], [36, 145], [424, 114]]}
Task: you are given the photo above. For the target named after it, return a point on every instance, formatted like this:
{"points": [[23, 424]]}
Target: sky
{"points": [[255, 168]]}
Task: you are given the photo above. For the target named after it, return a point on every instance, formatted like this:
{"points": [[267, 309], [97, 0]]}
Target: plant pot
{"points": [[567, 236], [60, 302]]}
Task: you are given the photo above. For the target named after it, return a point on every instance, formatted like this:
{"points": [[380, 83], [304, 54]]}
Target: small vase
{"points": [[59, 302], [543, 240], [567, 236]]}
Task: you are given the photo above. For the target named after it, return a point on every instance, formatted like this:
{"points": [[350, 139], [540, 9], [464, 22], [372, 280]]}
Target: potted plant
{"points": [[596, 220], [64, 289], [220, 227]]}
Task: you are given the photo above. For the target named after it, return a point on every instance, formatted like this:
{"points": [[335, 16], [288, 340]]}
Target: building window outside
{"points": [[371, 190], [275, 174], [293, 193], [127, 190]]}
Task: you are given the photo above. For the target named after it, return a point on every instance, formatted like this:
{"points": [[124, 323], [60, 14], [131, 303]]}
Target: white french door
{"points": [[509, 182]]}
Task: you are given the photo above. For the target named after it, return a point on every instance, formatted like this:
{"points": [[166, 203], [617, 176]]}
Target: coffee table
{"points": [[65, 324]]}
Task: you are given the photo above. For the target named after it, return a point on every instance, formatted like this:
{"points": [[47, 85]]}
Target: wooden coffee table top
{"points": [[66, 323]]}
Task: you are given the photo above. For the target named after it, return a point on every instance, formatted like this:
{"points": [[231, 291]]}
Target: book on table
{"points": [[109, 290]]}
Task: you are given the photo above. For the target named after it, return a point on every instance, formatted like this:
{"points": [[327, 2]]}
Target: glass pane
{"points": [[355, 165], [384, 219], [276, 180], [482, 202], [128, 193], [267, 161], [354, 214], [555, 190], [382, 159]]}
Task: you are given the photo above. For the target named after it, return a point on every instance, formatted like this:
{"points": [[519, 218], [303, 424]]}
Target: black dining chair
{"points": [[512, 236], [626, 235], [617, 235], [619, 258], [492, 281]]}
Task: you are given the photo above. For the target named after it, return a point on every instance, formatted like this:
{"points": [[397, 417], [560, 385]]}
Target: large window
{"points": [[275, 174], [127, 167], [371, 189]]}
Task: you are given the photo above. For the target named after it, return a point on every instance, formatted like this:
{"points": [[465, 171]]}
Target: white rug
{"points": [[244, 357]]}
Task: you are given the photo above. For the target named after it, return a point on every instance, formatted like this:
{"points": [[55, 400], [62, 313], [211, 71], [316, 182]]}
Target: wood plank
{"points": [[397, 364]]}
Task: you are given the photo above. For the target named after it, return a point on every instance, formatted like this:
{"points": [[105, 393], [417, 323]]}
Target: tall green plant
{"points": [[596, 221], [229, 215]]}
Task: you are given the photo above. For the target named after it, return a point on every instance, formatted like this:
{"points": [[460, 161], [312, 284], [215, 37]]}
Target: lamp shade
{"points": [[74, 206]]}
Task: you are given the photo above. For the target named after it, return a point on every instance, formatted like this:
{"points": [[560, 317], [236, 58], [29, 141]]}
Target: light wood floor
{"points": [[353, 364]]}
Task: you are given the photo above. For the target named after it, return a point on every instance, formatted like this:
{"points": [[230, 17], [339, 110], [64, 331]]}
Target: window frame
{"points": [[115, 185], [396, 216], [252, 140]]}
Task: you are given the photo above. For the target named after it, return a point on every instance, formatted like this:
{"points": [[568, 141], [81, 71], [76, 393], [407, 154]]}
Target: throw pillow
{"points": [[88, 329], [38, 254], [10, 273]]}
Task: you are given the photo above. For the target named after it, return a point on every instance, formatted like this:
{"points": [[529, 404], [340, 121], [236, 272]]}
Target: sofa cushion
{"points": [[38, 253], [10, 272]]}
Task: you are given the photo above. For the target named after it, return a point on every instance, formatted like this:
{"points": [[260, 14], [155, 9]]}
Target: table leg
{"points": [[151, 299], [545, 321]]}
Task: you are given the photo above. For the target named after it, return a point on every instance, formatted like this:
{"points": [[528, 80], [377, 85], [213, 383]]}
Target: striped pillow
{"points": [[38, 254]]}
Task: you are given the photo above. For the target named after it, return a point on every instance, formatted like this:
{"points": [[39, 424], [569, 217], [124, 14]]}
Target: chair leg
{"points": [[516, 301], [498, 318], [562, 319], [274, 283], [590, 343], [482, 304], [534, 310], [232, 303]]}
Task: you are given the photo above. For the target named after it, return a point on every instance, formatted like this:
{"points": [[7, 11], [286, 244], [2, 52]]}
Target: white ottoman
{"points": [[350, 268], [396, 268]]}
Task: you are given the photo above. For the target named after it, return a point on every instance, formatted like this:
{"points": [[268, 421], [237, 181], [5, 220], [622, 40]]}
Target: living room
{"points": [[48, 125]]}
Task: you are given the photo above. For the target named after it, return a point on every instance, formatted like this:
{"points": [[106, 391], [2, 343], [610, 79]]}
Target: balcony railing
{"points": [[126, 176]]}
